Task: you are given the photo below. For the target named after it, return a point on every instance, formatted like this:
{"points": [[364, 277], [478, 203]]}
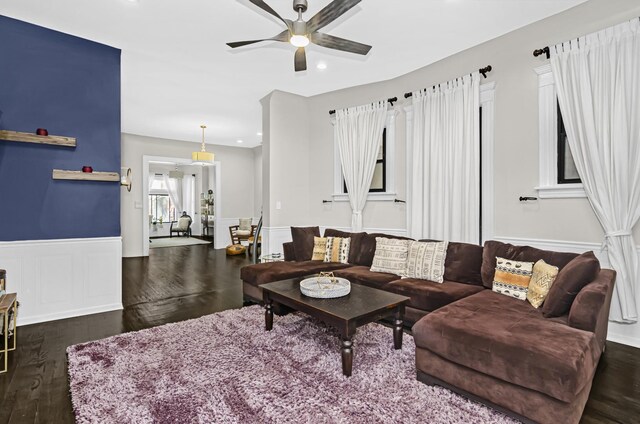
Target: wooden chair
{"points": [[239, 238], [178, 226]]}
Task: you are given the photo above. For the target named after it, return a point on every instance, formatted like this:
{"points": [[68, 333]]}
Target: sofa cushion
{"points": [[337, 249], [356, 241], [494, 248], [274, 271], [425, 260], [303, 241], [319, 248], [367, 248], [463, 263], [429, 296], [542, 278], [510, 340], [512, 278], [362, 275], [391, 256], [570, 280]]}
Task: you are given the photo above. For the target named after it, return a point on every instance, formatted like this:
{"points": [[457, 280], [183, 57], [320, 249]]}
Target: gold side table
{"points": [[8, 303]]}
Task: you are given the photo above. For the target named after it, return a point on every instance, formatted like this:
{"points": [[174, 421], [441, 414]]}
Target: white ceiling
{"points": [[177, 71]]}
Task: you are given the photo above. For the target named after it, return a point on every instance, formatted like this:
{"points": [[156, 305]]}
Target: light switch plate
{"points": [[278, 205]]}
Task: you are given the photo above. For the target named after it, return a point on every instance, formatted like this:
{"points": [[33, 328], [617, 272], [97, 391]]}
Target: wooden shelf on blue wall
{"points": [[60, 174], [21, 137]]}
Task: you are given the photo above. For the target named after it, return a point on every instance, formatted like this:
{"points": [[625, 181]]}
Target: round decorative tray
{"points": [[325, 287]]}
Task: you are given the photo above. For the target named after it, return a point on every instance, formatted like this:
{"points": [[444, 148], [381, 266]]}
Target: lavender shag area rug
{"points": [[226, 368]]}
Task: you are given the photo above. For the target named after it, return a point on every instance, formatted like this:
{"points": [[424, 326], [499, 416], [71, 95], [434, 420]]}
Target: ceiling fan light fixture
{"points": [[299, 40]]}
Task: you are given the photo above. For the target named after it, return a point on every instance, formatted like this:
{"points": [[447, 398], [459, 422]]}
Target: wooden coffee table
{"points": [[362, 306]]}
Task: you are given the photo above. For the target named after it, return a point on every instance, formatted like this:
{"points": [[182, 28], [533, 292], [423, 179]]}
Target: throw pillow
{"points": [[390, 256], [570, 280], [542, 278], [245, 224], [512, 278], [425, 260], [337, 250], [319, 248], [183, 223], [303, 242]]}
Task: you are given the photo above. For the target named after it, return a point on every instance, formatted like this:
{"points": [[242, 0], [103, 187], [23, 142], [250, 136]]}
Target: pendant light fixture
{"points": [[202, 157]]}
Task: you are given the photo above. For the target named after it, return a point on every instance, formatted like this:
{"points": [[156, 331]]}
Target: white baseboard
{"points": [[69, 314], [57, 279], [628, 334]]}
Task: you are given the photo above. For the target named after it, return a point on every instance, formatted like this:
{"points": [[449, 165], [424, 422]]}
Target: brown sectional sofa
{"points": [[489, 347]]}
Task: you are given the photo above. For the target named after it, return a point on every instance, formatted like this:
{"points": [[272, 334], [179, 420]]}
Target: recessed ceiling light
{"points": [[240, 141], [259, 134], [322, 66]]}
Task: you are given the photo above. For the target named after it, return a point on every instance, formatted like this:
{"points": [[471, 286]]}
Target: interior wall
{"points": [[237, 179], [71, 87], [288, 151], [516, 129], [257, 181]]}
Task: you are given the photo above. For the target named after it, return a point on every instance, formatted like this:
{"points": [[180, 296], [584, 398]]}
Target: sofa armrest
{"points": [[289, 252], [590, 309]]}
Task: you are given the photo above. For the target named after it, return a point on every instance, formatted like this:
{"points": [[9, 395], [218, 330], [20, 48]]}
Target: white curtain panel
{"points": [[174, 187], [444, 147], [189, 195], [359, 134], [598, 83]]}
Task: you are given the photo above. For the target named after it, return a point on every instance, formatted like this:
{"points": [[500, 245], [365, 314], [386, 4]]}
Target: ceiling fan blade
{"points": [[264, 6], [283, 36], [337, 43], [330, 13], [301, 60]]}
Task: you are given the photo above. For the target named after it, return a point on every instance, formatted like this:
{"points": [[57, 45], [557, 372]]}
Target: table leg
{"points": [[268, 315], [347, 356], [15, 324], [397, 329]]}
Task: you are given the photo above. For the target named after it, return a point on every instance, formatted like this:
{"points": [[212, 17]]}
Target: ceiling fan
{"points": [[300, 33]]}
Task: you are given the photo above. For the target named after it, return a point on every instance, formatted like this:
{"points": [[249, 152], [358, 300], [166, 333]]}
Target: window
{"points": [[379, 180], [558, 177], [567, 171], [161, 207], [383, 182]]}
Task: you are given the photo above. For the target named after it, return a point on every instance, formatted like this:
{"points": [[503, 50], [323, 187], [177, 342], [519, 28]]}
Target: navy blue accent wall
{"points": [[71, 87]]}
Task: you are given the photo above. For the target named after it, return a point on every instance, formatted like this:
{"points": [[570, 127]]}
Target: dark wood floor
{"points": [[180, 283]]}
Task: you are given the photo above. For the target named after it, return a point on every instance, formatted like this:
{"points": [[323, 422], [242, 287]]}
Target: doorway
{"points": [[172, 186]]}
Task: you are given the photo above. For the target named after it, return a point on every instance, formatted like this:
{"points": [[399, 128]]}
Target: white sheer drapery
{"points": [[189, 195], [598, 83], [358, 131], [444, 188], [174, 188]]}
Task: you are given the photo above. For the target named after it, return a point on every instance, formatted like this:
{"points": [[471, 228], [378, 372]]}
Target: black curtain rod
{"points": [[484, 71], [544, 50], [392, 100]]}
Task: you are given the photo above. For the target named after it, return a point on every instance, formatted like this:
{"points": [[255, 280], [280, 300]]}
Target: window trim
{"points": [[548, 187], [390, 166]]}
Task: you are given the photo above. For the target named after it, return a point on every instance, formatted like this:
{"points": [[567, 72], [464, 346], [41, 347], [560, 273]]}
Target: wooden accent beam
{"points": [[60, 174], [22, 137]]}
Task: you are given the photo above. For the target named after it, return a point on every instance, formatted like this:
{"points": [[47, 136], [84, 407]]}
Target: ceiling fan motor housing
{"points": [[300, 5]]}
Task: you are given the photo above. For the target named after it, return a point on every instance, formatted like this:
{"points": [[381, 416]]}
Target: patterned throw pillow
{"points": [[390, 256], [337, 250], [319, 248], [541, 280], [512, 278], [426, 260]]}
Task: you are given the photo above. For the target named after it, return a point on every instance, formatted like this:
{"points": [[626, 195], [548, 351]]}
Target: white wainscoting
{"points": [[57, 279], [628, 334]]}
